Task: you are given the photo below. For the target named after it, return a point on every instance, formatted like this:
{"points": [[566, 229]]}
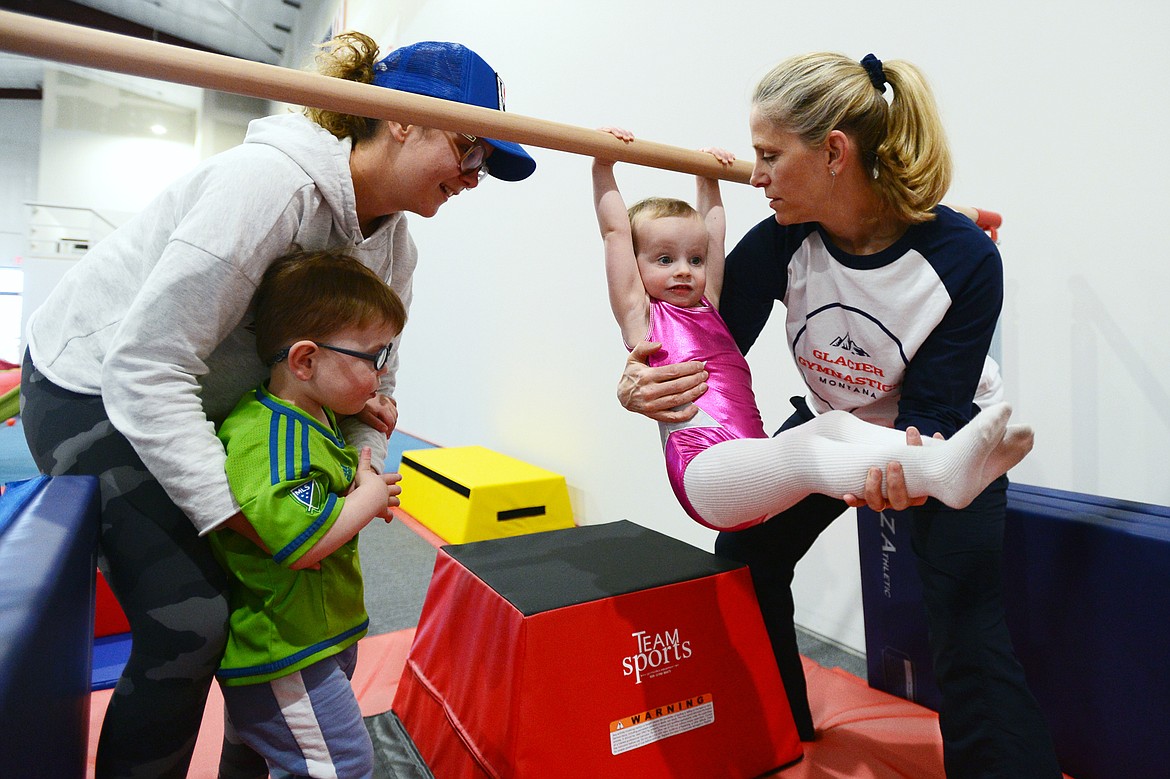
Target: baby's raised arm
{"points": [[627, 296], [710, 205]]}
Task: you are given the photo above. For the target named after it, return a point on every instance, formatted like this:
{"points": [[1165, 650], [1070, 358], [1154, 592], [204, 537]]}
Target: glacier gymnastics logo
{"points": [[657, 654]]}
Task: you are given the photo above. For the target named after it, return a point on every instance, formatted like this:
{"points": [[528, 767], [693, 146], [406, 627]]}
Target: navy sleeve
{"points": [[754, 278], [939, 387]]}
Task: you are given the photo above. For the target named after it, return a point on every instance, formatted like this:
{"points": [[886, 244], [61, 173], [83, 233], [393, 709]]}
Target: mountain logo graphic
{"points": [[846, 343]]}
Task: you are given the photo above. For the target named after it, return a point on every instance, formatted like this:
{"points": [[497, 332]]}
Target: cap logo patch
{"points": [[500, 90]]}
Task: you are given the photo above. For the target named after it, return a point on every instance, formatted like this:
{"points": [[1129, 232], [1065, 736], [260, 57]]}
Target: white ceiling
{"points": [[257, 30]]}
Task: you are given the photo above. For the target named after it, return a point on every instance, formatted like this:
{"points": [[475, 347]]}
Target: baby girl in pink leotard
{"points": [[664, 265]]}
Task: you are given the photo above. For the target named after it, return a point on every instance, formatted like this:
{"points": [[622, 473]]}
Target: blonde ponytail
{"points": [[914, 150], [902, 143]]}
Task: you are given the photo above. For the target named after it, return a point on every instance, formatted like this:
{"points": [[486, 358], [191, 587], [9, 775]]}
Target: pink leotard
{"points": [[727, 410]]}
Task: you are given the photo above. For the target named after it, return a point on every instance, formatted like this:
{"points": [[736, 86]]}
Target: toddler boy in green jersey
{"points": [[325, 324]]}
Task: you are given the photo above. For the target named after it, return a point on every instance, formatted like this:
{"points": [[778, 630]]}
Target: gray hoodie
{"points": [[154, 318]]}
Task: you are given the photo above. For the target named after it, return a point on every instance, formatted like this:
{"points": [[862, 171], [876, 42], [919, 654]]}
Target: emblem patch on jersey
{"points": [[306, 495], [347, 472]]}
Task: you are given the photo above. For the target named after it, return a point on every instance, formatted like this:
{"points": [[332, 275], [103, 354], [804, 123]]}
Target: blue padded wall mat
{"points": [[110, 654], [1084, 582], [17, 495], [1084, 589], [1141, 511], [46, 629]]}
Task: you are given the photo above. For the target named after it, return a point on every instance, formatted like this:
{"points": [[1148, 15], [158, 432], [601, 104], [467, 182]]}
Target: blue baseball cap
{"points": [[451, 71]]}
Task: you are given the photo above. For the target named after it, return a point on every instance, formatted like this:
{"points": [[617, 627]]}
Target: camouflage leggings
{"points": [[163, 574]]}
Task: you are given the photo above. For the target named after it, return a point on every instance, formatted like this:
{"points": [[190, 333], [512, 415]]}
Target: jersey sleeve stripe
{"points": [[273, 452], [304, 451]]}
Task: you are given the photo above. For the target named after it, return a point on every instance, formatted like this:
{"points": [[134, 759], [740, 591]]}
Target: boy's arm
{"points": [[710, 205], [240, 524], [627, 296], [372, 495]]}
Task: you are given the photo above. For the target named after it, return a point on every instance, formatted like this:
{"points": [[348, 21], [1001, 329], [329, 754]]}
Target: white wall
{"points": [[1056, 120], [1056, 117], [20, 138]]}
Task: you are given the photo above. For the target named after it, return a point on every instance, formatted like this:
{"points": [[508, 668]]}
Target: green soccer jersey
{"points": [[288, 472]]}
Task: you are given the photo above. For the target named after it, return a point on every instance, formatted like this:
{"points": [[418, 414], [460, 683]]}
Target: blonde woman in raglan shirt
{"points": [[891, 301], [144, 346]]}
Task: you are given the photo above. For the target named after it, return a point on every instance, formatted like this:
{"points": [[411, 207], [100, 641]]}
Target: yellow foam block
{"points": [[470, 493]]}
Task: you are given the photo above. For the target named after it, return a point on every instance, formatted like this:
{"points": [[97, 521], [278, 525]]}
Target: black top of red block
{"points": [[545, 571]]}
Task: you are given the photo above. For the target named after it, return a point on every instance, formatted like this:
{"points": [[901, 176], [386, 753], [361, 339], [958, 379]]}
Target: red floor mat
{"points": [[864, 733]]}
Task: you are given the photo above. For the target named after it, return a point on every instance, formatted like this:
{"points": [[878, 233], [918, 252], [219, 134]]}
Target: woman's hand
{"points": [[380, 413], [665, 393], [896, 497]]}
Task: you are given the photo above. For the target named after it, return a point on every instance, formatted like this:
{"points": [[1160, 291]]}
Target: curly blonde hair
{"points": [[656, 208], [350, 56]]}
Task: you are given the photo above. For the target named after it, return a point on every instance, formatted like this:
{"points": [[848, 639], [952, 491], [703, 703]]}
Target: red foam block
{"points": [[675, 680]]}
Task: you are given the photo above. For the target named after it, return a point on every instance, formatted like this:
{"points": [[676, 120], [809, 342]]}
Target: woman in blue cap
{"points": [[145, 345]]}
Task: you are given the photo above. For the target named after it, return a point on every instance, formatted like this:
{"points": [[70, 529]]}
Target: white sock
{"points": [[1014, 446], [737, 483]]}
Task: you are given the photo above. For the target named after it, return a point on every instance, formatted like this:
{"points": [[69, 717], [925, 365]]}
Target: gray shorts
{"points": [[307, 723]]}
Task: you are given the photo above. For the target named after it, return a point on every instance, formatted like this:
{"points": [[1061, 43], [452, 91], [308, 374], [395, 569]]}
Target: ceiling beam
{"points": [[75, 13]]}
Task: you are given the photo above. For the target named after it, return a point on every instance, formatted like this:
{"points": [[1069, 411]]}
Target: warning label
{"points": [[661, 722]]}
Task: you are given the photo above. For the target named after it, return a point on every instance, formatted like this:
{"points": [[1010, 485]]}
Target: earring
{"points": [[832, 172]]}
